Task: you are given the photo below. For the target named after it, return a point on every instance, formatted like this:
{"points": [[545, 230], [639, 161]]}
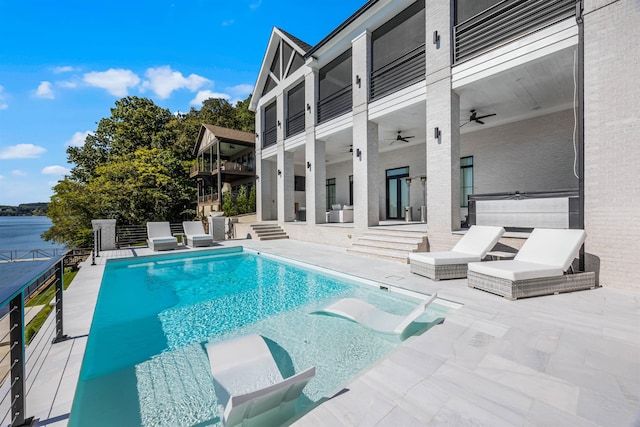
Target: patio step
{"points": [[268, 232], [389, 244]]}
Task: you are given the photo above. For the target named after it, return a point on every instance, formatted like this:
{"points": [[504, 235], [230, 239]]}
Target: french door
{"points": [[397, 192]]}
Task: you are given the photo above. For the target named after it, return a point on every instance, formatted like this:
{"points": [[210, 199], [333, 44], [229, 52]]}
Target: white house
{"points": [[514, 112]]}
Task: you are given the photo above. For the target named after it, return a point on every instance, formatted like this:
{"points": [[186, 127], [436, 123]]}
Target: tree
{"points": [[228, 204], [242, 200], [71, 209], [252, 199]]}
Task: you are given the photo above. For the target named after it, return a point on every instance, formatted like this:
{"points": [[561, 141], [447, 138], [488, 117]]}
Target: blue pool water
{"points": [[145, 365]]}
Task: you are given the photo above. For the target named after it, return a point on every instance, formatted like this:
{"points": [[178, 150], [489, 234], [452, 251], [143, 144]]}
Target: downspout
{"points": [[580, 125]]}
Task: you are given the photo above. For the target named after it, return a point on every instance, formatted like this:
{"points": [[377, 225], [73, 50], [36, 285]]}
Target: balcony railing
{"points": [[403, 72], [269, 137], [505, 22], [208, 198], [295, 124], [335, 104]]}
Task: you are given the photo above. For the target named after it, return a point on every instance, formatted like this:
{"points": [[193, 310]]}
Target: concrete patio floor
{"points": [[570, 359]]}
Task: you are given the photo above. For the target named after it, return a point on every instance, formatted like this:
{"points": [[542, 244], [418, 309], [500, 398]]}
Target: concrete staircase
{"points": [[268, 232], [388, 244]]}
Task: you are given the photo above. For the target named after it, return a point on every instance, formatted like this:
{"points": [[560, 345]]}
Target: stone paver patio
{"points": [[570, 359]]}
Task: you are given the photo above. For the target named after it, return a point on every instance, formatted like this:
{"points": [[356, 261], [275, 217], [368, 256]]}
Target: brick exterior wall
{"points": [[612, 140]]}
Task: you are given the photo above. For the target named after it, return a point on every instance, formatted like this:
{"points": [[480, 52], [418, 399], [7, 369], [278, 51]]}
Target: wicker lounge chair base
{"points": [[513, 290], [438, 272]]}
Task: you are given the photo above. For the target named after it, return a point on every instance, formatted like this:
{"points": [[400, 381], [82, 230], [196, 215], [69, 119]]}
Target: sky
{"points": [[63, 64]]}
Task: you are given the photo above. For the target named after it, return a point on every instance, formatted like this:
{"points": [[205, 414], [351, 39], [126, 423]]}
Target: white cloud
{"points": [[64, 69], [228, 22], [240, 92], [255, 4], [45, 91], [21, 151], [3, 99], [77, 139], [203, 95], [17, 172], [163, 80], [116, 81], [55, 170], [67, 84]]}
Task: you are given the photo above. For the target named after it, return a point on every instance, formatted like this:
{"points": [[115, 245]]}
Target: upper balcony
{"points": [[504, 22], [227, 167]]}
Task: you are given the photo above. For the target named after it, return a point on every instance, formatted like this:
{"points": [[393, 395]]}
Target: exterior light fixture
{"points": [[423, 179], [257, 177], [308, 108], [279, 124], [279, 172], [257, 136], [358, 80], [358, 153], [309, 165], [436, 38], [437, 134]]}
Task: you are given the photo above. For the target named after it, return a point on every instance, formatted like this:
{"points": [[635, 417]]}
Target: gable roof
{"points": [[239, 137], [277, 34]]}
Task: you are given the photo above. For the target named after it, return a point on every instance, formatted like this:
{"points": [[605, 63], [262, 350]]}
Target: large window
{"points": [[398, 53], [466, 180], [269, 136], [335, 88], [295, 110], [331, 192]]}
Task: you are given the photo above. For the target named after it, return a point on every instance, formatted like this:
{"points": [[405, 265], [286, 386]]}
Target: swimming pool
{"points": [[145, 365]]}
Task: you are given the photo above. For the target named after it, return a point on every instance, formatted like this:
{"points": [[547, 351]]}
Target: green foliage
{"points": [[252, 199], [229, 207], [135, 167], [242, 200]]}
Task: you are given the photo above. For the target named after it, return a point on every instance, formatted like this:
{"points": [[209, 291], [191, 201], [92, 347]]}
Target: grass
{"points": [[44, 299]]}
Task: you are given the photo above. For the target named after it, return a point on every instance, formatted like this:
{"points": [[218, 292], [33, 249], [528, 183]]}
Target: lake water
{"points": [[23, 232]]}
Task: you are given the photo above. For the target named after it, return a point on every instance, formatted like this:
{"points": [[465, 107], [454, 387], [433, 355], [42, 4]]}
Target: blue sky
{"points": [[63, 65]]}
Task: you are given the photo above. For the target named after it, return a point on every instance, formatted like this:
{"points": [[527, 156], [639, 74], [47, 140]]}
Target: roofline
{"points": [[368, 5]]}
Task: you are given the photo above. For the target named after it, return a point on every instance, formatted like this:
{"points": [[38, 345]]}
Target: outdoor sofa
{"points": [[541, 267]]}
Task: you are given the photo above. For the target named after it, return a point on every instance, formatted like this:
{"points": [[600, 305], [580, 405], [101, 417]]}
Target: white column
{"points": [[315, 152], [366, 188]]}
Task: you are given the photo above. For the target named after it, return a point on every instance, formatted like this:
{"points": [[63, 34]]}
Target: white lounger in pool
{"points": [[373, 318], [194, 232], [249, 384]]}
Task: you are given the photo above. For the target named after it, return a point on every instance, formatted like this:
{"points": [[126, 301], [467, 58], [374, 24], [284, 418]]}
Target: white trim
{"points": [[295, 141], [535, 46], [335, 125]]}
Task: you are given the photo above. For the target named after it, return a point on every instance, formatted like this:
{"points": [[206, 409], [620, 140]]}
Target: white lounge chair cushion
{"points": [[479, 240], [158, 229], [552, 247], [166, 239], [372, 317], [193, 228], [515, 270], [443, 258]]}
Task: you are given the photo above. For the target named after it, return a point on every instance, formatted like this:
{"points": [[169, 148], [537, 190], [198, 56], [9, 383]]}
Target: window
{"points": [[466, 180], [295, 110], [269, 135], [331, 193], [351, 190]]}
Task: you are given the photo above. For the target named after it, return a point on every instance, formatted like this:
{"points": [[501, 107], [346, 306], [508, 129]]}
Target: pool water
{"points": [[145, 364]]}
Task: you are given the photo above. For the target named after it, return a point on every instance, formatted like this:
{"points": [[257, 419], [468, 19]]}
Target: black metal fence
{"points": [[402, 72], [335, 104], [504, 22], [136, 235]]}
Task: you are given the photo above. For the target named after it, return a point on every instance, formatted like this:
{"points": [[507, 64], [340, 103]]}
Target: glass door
{"points": [[397, 192]]}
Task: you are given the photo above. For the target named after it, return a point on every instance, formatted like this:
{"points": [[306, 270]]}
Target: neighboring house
{"points": [[225, 160], [513, 112]]}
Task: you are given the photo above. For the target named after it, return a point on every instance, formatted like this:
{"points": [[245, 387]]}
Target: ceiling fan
{"points": [[475, 118], [401, 138]]}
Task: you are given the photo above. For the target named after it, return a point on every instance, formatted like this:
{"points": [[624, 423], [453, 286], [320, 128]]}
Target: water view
{"points": [[23, 233]]}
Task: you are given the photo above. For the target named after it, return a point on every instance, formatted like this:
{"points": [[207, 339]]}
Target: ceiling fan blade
{"points": [[479, 121], [486, 115]]}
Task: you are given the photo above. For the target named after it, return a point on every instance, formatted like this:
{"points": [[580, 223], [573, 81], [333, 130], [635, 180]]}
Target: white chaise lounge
{"points": [[539, 268], [372, 317], [472, 247], [195, 235], [249, 385], [159, 236]]}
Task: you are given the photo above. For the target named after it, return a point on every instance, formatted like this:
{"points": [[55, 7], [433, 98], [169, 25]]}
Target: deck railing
{"points": [[335, 104], [505, 22], [135, 235], [269, 137], [403, 72], [295, 124]]}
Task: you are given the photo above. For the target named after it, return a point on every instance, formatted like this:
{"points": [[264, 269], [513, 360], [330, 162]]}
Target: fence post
{"points": [[18, 402], [96, 238], [60, 336]]}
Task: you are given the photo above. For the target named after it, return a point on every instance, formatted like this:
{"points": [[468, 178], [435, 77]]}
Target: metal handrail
{"points": [[335, 104]]}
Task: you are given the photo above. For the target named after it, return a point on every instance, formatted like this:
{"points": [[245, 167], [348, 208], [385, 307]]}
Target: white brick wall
{"points": [[530, 155], [612, 140]]}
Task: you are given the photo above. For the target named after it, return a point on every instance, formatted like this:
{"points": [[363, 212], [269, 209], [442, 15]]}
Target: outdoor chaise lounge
{"points": [[159, 236], [539, 268], [373, 318], [472, 247], [195, 235], [249, 385]]}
